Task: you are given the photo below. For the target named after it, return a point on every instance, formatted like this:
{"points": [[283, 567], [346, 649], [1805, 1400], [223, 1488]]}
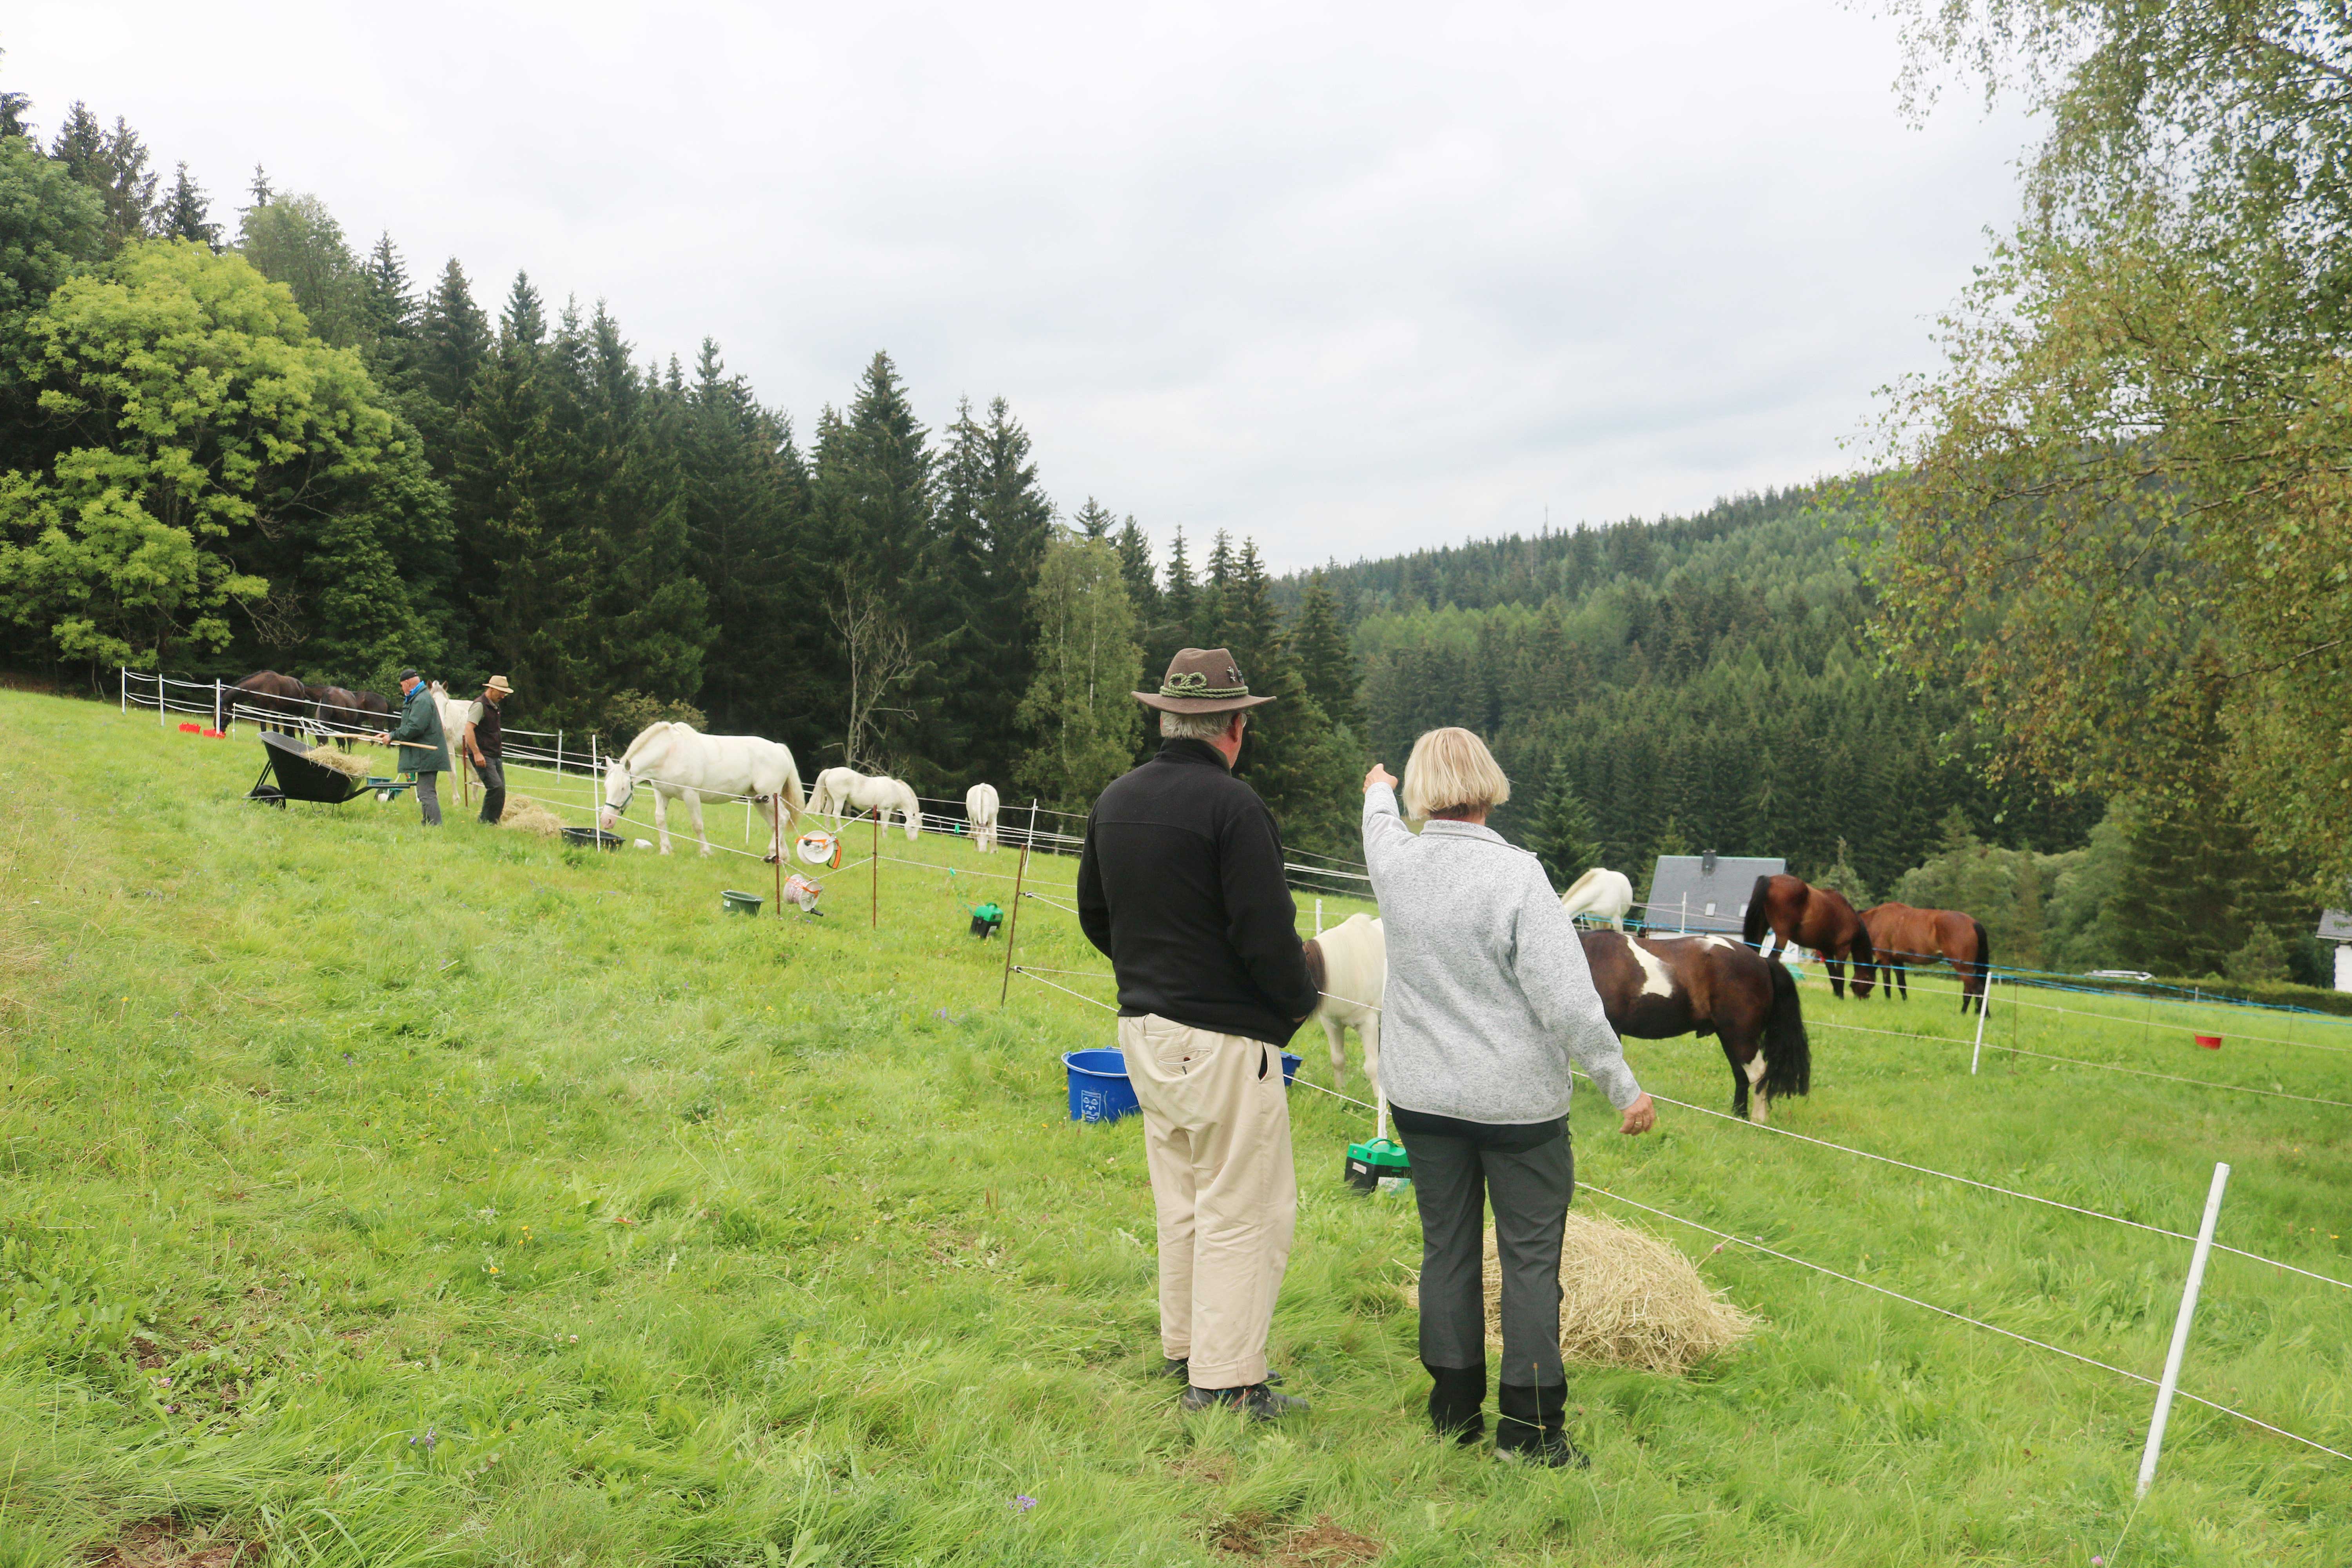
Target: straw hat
{"points": [[1201, 680], [497, 683]]}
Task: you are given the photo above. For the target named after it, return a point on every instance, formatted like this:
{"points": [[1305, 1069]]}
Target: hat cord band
{"points": [[1192, 683]]}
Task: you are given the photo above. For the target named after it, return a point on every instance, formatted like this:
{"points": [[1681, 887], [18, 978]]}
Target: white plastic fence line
{"points": [[1987, 1186], [1960, 1316], [2010, 1000], [2077, 1061]]}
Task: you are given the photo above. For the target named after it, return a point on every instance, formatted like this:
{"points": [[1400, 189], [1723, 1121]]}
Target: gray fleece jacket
{"points": [[1489, 998]]}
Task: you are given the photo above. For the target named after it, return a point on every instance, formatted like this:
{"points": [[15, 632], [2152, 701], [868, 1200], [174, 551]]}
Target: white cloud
{"points": [[1349, 279]]}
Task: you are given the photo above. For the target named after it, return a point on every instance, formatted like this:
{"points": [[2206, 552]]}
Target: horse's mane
{"points": [[660, 727]]}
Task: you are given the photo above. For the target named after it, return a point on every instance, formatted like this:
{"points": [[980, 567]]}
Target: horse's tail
{"points": [[1753, 926], [1984, 962], [1787, 1056], [795, 802]]}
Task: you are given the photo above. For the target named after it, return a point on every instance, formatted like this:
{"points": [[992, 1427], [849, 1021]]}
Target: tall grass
{"points": [[393, 1197]]}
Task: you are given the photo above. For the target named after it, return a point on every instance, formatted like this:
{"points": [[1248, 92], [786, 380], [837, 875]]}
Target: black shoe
{"points": [[1533, 1430], [1257, 1402], [1182, 1367], [1458, 1398]]}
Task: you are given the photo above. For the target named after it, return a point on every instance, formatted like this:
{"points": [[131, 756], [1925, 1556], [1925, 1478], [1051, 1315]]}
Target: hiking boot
{"points": [[1458, 1398], [1182, 1367], [1533, 1429], [1257, 1402]]}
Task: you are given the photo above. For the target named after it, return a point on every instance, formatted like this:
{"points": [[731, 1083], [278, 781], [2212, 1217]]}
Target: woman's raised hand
{"points": [[1379, 775]]}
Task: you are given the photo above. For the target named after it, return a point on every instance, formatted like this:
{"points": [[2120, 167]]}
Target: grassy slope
{"points": [[697, 1240]]}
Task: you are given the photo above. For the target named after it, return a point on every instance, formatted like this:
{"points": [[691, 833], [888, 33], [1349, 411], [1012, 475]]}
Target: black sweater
{"points": [[1182, 886]]}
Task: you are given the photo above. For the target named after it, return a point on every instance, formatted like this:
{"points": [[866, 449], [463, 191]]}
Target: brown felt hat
{"points": [[1202, 680]]}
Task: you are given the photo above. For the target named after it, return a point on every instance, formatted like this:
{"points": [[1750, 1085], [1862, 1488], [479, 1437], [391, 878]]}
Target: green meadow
{"points": [[385, 1197]]}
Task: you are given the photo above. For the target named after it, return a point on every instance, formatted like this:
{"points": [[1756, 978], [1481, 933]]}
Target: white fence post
{"points": [[125, 676], [2180, 1332], [216, 703], [1319, 917], [1984, 1005], [558, 753], [158, 701]]}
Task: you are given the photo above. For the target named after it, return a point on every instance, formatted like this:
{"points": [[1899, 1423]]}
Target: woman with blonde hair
{"points": [[1489, 1003]]}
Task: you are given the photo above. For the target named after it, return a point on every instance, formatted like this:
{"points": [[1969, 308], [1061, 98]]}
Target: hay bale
{"points": [[528, 815], [1627, 1298]]}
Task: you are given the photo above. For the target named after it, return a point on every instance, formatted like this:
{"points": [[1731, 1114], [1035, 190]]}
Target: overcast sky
{"points": [[1351, 279]]}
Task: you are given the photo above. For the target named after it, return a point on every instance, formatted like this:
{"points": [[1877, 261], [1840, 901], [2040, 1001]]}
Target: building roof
{"points": [[2334, 925], [1705, 892]]}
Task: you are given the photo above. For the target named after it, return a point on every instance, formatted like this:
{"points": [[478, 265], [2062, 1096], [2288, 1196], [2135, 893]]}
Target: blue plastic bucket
{"points": [[1099, 1091]]}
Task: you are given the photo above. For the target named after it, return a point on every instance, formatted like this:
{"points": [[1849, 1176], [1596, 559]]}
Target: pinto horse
{"points": [[1653, 988], [1802, 915], [1904, 936]]}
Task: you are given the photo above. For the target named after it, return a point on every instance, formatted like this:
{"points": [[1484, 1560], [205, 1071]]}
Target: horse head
{"points": [[620, 784]]}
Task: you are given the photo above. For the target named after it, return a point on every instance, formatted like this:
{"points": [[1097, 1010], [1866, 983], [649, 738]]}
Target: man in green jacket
{"points": [[424, 750]]}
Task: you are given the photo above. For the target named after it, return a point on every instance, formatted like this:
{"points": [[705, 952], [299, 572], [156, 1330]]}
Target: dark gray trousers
{"points": [[429, 799], [1452, 1179], [493, 772]]}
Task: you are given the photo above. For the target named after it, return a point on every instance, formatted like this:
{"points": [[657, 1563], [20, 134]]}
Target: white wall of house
{"points": [[2344, 966]]}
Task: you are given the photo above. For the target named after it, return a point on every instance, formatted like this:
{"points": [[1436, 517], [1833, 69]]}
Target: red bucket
{"points": [[2210, 1042], [191, 729]]}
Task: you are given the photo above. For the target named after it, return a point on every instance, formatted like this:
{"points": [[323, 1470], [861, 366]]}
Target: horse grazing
{"points": [[1903, 936], [336, 711], [1603, 894], [1355, 972], [681, 764], [1656, 987], [282, 702], [1802, 915], [845, 792], [980, 810]]}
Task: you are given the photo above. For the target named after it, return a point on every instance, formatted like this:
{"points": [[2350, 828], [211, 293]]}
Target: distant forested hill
{"points": [[1695, 683]]}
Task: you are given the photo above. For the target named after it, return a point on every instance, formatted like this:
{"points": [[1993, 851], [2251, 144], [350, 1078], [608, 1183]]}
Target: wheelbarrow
{"points": [[289, 773]]}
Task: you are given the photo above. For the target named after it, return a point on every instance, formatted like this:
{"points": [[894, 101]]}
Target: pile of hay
{"points": [[351, 764], [1627, 1300], [527, 813]]}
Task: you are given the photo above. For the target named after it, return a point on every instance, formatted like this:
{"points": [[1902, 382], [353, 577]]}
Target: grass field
{"points": [[389, 1198]]}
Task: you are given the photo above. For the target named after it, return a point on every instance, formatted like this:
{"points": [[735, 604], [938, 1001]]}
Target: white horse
{"points": [[1355, 972], [455, 711], [844, 792], [980, 810], [682, 764], [1603, 894]]}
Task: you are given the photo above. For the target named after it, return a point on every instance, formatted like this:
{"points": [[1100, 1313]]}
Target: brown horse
{"points": [[1903, 936], [337, 709], [282, 702], [1802, 915], [1653, 988]]}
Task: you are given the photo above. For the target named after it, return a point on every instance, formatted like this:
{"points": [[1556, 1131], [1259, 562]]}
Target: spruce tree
{"points": [[186, 213], [1093, 520], [1180, 602], [114, 165], [1209, 623], [1561, 835], [1134, 548], [12, 108], [1325, 660]]}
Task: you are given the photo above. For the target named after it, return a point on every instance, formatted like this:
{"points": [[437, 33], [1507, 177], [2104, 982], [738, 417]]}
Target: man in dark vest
{"points": [[1181, 884], [484, 738]]}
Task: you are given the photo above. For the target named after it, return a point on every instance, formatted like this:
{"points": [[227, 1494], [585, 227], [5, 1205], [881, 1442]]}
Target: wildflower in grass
{"points": [[1023, 1504], [427, 1441]]}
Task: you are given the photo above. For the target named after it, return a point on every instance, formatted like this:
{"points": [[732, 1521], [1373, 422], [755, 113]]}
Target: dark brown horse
{"points": [[280, 701], [337, 709], [1903, 936], [1802, 915], [1653, 988]]}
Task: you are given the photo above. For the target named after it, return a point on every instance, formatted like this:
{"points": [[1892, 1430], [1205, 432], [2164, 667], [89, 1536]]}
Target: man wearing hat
{"points": [[1181, 884], [424, 750], [484, 738]]}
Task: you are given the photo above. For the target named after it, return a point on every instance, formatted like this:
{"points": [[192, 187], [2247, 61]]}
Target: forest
{"points": [[236, 437]]}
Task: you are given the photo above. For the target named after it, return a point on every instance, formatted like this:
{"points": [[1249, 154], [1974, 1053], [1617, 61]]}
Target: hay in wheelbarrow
{"points": [[1627, 1300], [350, 764], [526, 814]]}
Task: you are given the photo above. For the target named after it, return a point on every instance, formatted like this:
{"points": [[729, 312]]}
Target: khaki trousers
{"points": [[1216, 1138]]}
